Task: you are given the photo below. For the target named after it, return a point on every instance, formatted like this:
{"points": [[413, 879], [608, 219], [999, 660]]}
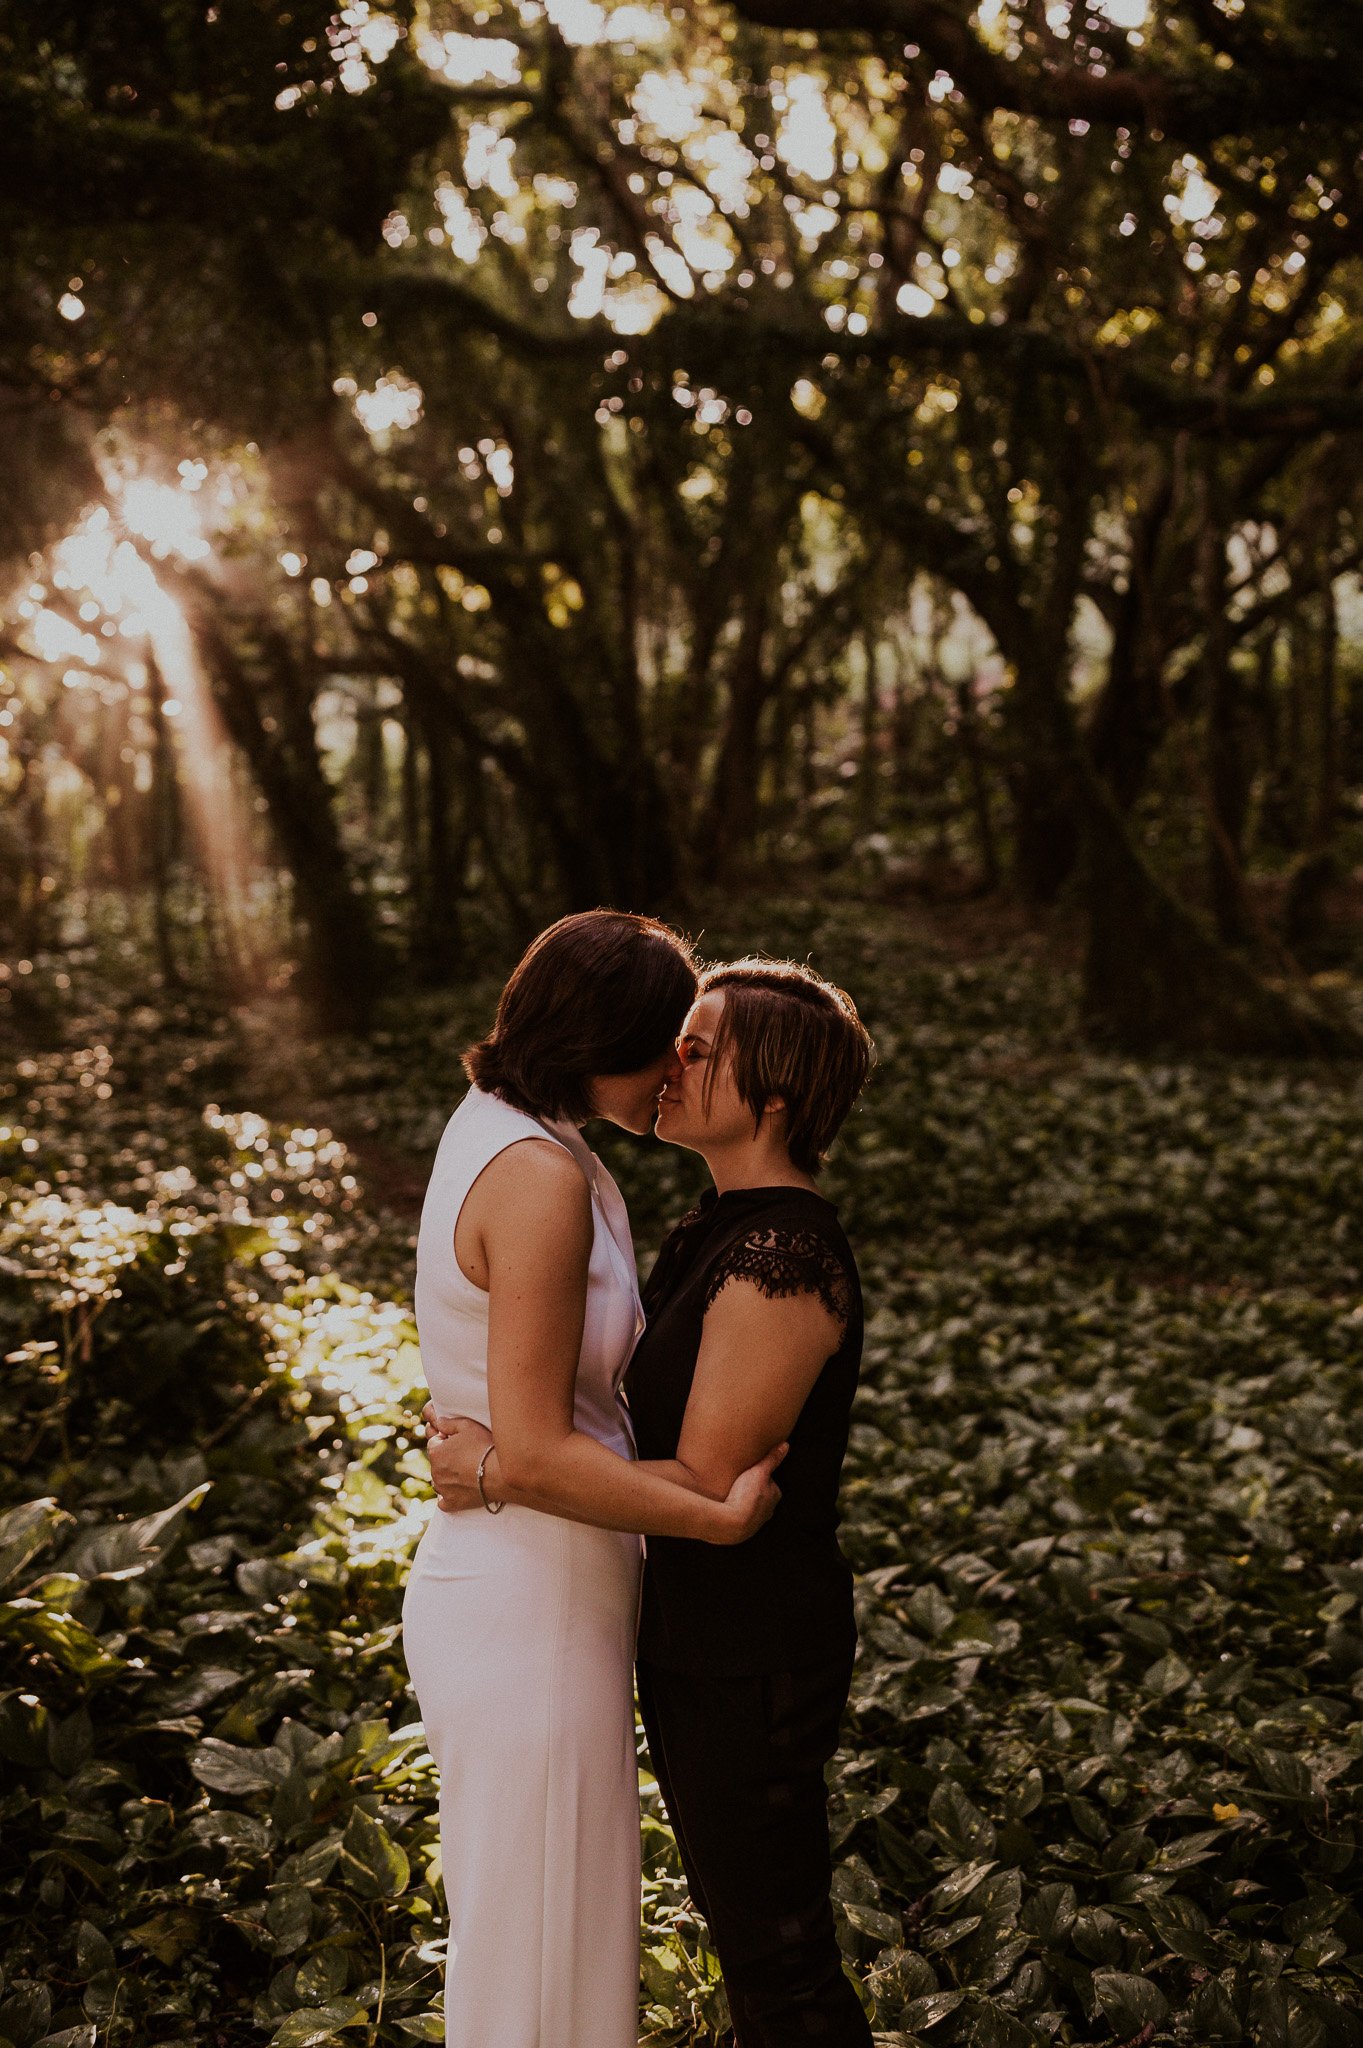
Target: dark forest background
{"points": [[871, 480], [463, 465]]}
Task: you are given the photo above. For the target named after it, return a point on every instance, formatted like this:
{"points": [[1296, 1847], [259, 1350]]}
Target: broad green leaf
{"points": [[167, 1935], [960, 1884], [1280, 1772], [289, 1918], [124, 1550], [930, 1611], [322, 1976], [959, 1823], [25, 2012], [924, 2013], [73, 1647], [200, 1689], [1168, 1674], [884, 1927], [228, 1768], [93, 1950], [307, 2029], [1130, 2002], [1181, 1925], [313, 1865], [243, 1834], [24, 1532], [372, 1860]]}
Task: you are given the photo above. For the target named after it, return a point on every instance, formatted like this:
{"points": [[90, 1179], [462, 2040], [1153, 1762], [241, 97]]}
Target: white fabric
{"points": [[519, 1634]]}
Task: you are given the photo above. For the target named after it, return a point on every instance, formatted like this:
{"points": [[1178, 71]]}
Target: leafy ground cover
{"points": [[1105, 1497]]}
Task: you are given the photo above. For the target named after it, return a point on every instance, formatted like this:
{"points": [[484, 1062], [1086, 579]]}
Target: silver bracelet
{"points": [[494, 1507]]}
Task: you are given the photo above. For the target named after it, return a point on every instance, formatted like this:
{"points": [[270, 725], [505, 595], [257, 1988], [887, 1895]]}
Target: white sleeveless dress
{"points": [[519, 1634]]}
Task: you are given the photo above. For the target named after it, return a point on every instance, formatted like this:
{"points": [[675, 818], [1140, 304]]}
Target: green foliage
{"points": [[1104, 1497], [221, 1792]]}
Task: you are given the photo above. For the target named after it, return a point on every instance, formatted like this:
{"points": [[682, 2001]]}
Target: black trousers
{"points": [[740, 1765]]}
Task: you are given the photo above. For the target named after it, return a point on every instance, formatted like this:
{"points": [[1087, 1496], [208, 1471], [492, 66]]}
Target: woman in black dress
{"points": [[754, 1335], [753, 1339]]}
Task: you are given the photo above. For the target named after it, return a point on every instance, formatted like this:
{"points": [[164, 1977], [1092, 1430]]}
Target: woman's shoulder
{"points": [[486, 1131], [786, 1241]]}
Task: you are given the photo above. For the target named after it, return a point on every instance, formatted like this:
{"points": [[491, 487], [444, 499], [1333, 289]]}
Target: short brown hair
{"points": [[601, 992], [793, 1034]]}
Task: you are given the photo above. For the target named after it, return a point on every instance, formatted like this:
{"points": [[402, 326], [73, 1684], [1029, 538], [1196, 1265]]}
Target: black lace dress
{"points": [[783, 1600]]}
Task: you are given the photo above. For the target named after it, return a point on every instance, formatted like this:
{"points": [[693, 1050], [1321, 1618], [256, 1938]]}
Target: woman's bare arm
{"points": [[535, 1234], [759, 1358], [455, 1444]]}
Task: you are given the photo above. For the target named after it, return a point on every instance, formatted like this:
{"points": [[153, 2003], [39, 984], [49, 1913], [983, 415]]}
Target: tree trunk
{"points": [[410, 807], [439, 925], [1040, 778], [868, 764], [1326, 793], [731, 813], [34, 893], [371, 769], [341, 958], [1305, 920], [1156, 980], [1227, 769], [969, 727], [1129, 719]]}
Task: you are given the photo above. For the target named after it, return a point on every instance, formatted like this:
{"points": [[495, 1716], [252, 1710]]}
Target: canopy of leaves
{"points": [[615, 431]]}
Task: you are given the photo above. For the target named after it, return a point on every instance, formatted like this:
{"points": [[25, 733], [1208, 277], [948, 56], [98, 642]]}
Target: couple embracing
{"points": [[568, 1419]]}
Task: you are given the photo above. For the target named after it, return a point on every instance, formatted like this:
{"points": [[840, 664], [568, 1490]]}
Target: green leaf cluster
{"points": [[1100, 1779]]}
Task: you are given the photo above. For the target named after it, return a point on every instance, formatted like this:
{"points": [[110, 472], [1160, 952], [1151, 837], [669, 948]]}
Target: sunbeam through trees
{"points": [[869, 481]]}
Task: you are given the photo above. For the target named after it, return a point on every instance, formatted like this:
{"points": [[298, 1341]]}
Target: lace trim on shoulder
{"points": [[781, 1262]]}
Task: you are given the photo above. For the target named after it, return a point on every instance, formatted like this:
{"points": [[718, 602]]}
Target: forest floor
{"points": [[1101, 1777]]}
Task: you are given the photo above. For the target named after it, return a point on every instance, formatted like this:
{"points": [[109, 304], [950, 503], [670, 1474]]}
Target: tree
{"points": [[640, 380]]}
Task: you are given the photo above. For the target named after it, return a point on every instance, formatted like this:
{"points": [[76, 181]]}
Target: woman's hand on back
{"points": [[753, 1498], [454, 1444]]}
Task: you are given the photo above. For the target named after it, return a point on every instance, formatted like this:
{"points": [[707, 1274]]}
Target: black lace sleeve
{"points": [[782, 1261]]}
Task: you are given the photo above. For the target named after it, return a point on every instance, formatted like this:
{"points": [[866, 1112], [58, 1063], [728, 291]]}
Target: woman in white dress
{"points": [[519, 1626]]}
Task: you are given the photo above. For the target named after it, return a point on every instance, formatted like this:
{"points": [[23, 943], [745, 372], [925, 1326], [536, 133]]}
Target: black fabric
{"points": [[783, 1599], [740, 1765]]}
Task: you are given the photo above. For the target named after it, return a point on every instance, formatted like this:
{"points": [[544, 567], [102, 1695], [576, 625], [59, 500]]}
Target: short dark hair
{"points": [[793, 1034], [600, 992]]}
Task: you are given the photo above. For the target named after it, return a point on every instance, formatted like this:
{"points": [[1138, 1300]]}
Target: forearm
{"points": [[677, 1474], [581, 1480], [500, 1491]]}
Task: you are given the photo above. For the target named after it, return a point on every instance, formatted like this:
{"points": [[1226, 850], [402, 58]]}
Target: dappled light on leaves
{"points": [[394, 404], [361, 38], [165, 515], [466, 60], [1101, 1497], [1130, 14], [806, 141]]}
